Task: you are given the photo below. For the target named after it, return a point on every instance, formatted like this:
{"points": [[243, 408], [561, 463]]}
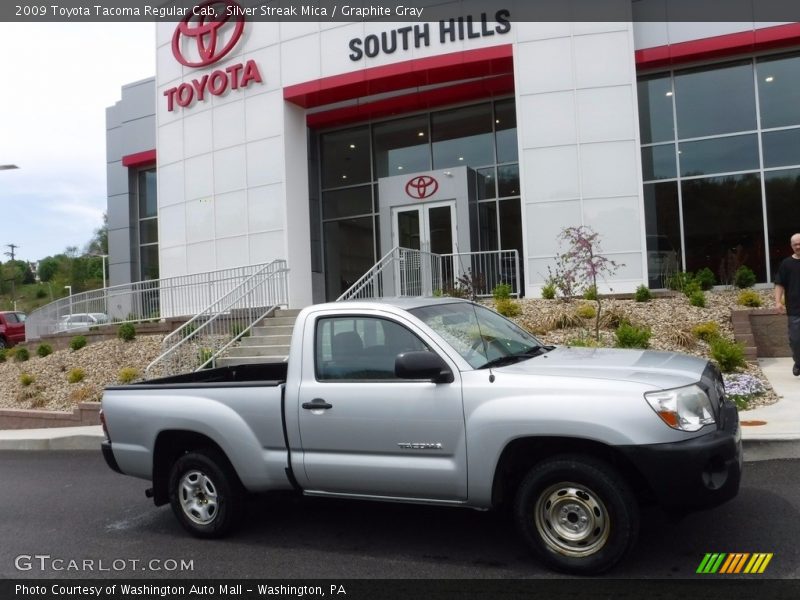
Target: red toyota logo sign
{"points": [[203, 25], [421, 187]]}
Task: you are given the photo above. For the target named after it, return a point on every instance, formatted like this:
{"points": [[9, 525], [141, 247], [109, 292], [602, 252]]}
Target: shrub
{"points": [[21, 354], [705, 277], [631, 336], [548, 291], [744, 277], [203, 355], [126, 332], [590, 293], [77, 342], [583, 342], [26, 379], [642, 294], [44, 350], [127, 375], [749, 298], [586, 311], [698, 299], [76, 375], [681, 337], [706, 331], [41, 293], [692, 289], [507, 307], [237, 328], [679, 281], [742, 388], [502, 291], [3, 354], [729, 355]]}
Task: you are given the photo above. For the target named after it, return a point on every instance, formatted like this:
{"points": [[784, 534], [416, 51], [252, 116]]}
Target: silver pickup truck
{"points": [[442, 402]]}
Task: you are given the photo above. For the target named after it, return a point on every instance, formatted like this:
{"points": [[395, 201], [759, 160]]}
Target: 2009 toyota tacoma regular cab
{"points": [[438, 401]]}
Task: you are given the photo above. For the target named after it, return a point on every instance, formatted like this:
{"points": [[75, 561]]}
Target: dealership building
{"points": [[329, 143]]}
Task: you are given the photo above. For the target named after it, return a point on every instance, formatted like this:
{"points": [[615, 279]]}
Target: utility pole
{"points": [[11, 254]]}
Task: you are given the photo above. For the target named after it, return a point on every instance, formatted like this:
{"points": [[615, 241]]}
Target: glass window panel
{"points": [[655, 109], [712, 101], [511, 239], [783, 212], [781, 148], [148, 231], [149, 262], [724, 226], [505, 126], [487, 225], [408, 229], [440, 230], [486, 184], [508, 180], [345, 157], [658, 162], [148, 198], [720, 155], [401, 146], [462, 137], [663, 231], [349, 253], [779, 91], [347, 202]]}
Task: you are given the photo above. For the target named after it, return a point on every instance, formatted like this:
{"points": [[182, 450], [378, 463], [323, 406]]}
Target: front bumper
{"points": [[698, 473]]}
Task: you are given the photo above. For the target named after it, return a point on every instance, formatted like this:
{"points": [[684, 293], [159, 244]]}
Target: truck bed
{"points": [[261, 374]]}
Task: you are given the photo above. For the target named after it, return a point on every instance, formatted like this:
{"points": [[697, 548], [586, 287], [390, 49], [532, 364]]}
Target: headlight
{"points": [[687, 408]]}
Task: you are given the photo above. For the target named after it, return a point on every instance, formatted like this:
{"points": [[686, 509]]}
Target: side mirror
{"points": [[422, 365]]}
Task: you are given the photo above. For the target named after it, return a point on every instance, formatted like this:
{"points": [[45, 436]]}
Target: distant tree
{"points": [[49, 266], [99, 242]]}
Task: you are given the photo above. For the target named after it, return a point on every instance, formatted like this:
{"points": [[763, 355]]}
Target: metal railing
{"points": [[151, 300], [198, 342], [414, 273]]}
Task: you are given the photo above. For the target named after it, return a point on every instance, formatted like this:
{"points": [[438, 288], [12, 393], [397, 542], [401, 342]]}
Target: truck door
{"points": [[364, 431]]}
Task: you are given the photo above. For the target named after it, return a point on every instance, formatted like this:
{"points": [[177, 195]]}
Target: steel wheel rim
{"points": [[572, 520], [198, 497]]}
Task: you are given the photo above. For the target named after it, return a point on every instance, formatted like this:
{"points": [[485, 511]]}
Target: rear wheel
{"points": [[205, 494], [577, 514]]}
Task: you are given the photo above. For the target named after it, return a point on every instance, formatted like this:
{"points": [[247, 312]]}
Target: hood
{"points": [[659, 370]]}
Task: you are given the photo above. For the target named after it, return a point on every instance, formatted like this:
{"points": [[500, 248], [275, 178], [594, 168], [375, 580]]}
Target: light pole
{"points": [[69, 287], [105, 291]]}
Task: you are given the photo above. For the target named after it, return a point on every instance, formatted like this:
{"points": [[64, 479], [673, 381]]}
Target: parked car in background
{"points": [[81, 321], [12, 328]]}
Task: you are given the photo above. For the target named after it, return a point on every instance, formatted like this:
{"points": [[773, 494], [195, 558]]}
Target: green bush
{"points": [[744, 277], [21, 354], [698, 298], [41, 293], [583, 342], [706, 331], [203, 355], [679, 281], [502, 291], [507, 307], [44, 350], [642, 294], [76, 375], [705, 277], [749, 298], [3, 355], [127, 375], [26, 379], [77, 342], [630, 336], [590, 293], [586, 311], [126, 332], [549, 291], [729, 355]]}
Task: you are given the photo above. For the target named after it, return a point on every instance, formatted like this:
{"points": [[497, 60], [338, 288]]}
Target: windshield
{"points": [[478, 334]]}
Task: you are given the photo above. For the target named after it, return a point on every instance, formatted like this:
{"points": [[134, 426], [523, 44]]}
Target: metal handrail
{"points": [[201, 340]]}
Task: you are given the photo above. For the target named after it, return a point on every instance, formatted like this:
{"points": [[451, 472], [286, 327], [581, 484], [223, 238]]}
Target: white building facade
{"points": [[328, 143]]}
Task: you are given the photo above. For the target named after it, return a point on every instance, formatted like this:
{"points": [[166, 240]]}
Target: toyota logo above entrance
{"points": [[206, 28], [421, 187]]}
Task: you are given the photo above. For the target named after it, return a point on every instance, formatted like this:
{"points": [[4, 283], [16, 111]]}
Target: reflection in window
{"points": [[462, 137], [783, 212], [779, 91], [655, 109], [508, 180], [505, 124], [724, 225], [347, 202], [401, 146], [345, 157], [147, 224], [486, 184], [349, 252], [658, 162], [781, 148], [663, 231], [719, 155], [715, 100], [487, 217]]}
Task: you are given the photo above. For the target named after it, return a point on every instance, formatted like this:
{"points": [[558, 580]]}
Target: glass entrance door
{"points": [[431, 229]]}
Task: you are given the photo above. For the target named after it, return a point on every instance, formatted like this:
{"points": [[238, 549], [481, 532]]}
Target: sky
{"points": [[56, 81]]}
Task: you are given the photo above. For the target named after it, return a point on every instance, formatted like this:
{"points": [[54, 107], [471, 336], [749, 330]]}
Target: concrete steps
{"points": [[268, 341]]}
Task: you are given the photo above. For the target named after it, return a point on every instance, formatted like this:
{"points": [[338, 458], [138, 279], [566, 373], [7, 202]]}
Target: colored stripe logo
{"points": [[734, 563]]}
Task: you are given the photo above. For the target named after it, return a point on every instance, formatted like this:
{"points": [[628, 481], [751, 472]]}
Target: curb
{"points": [[785, 448], [61, 438]]}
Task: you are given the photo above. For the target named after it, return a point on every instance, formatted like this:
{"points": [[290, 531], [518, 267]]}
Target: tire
{"points": [[205, 494], [577, 514]]}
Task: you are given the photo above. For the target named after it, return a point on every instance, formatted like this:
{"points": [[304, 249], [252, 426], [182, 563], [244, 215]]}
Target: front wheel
{"points": [[577, 514], [205, 494]]}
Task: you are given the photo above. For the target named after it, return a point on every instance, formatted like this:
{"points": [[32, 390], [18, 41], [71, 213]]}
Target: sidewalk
{"points": [[768, 432]]}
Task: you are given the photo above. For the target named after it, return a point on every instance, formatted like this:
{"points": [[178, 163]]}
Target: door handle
{"points": [[316, 404]]}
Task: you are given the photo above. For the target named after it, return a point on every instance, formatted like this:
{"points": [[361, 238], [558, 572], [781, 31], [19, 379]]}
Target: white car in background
{"points": [[81, 321]]}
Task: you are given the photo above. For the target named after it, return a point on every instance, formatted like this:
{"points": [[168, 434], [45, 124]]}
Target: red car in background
{"points": [[12, 328]]}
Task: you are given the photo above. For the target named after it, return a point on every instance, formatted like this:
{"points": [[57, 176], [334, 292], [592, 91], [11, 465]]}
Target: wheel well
{"points": [[520, 455], [171, 445]]}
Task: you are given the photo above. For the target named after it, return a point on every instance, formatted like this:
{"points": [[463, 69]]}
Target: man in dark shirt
{"points": [[787, 298]]}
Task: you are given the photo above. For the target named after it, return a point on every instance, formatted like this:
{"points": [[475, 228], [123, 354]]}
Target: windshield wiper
{"points": [[516, 357]]}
